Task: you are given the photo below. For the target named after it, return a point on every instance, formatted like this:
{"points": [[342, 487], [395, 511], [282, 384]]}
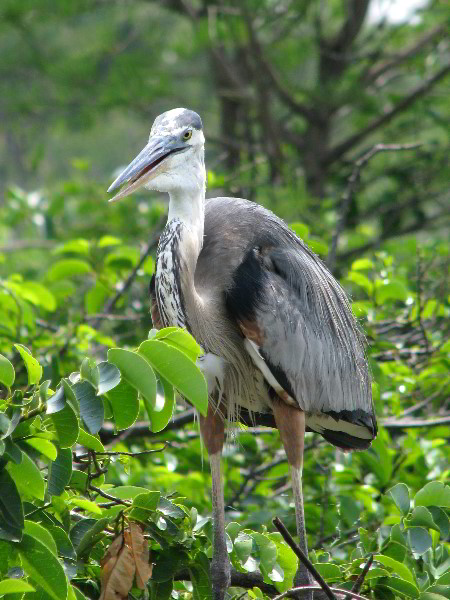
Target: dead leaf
{"points": [[139, 548], [118, 571]]}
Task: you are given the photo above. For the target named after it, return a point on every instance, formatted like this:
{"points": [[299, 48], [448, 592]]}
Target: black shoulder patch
{"points": [[245, 294]]}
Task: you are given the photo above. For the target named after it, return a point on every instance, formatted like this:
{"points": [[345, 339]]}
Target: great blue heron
{"points": [[281, 346]]}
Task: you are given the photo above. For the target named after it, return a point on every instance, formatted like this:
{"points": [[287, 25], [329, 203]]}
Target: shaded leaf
{"points": [[125, 404], [91, 406], [28, 477], [400, 495], [59, 472], [434, 493], [109, 377], [7, 374]]}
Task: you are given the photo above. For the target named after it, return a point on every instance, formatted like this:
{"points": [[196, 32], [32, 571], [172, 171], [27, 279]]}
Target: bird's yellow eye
{"points": [[187, 135]]}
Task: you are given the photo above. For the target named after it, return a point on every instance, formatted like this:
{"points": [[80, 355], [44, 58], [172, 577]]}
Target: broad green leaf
{"points": [[124, 403], [286, 559], [85, 504], [109, 377], [65, 423], [59, 472], [78, 246], [421, 516], [318, 246], [10, 502], [361, 280], [200, 577], [14, 586], [406, 588], [34, 369], [179, 371], [300, 229], [89, 371], [63, 543], [91, 406], [362, 264], [136, 370], [400, 495], [39, 295], [181, 339], [441, 520], [267, 552], [56, 402], [68, 267], [160, 418], [108, 240], [419, 539], [123, 257], [43, 567], [434, 493], [399, 568], [243, 546], [143, 504], [45, 447], [28, 477], [435, 593], [7, 374], [42, 534], [170, 509], [126, 492], [89, 441], [393, 290], [84, 533], [329, 571], [95, 298]]}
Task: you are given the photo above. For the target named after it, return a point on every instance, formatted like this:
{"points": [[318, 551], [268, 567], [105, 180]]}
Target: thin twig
{"points": [[305, 588], [360, 579], [82, 456], [303, 559], [108, 496], [353, 180]]}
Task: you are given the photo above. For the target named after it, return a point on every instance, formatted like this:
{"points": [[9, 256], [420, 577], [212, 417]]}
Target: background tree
{"points": [[329, 114]]}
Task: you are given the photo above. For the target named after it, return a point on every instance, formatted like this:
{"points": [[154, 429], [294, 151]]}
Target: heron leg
{"points": [[213, 433], [291, 425]]}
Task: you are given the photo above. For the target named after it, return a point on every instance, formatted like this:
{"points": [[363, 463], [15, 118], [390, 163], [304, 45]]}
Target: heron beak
{"points": [[145, 166]]}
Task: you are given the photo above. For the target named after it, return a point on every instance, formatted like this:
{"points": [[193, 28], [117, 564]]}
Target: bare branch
{"points": [[349, 191], [378, 70], [360, 579], [336, 152], [303, 558]]}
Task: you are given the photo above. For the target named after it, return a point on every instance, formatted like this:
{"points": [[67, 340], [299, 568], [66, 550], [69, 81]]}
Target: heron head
{"points": [[172, 160]]}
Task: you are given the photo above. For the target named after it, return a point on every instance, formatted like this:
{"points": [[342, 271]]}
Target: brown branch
{"points": [[17, 245], [353, 180], [336, 152], [376, 71], [108, 496], [303, 558], [391, 423], [360, 579], [306, 588]]}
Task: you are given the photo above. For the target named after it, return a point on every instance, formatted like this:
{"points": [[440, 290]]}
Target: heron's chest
{"points": [[169, 293]]}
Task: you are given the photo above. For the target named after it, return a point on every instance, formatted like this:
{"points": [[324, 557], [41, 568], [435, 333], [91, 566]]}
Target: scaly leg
{"points": [[213, 433], [291, 425]]}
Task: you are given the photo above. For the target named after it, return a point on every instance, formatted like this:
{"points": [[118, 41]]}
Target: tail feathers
{"points": [[347, 429]]}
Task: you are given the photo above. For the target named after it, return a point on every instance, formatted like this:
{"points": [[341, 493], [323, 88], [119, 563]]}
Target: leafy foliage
{"points": [[93, 444]]}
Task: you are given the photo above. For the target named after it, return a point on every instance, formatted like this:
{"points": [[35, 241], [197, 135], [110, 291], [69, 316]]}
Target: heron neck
{"points": [[187, 205]]}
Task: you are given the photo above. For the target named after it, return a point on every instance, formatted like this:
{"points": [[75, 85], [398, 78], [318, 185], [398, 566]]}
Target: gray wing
{"points": [[296, 320]]}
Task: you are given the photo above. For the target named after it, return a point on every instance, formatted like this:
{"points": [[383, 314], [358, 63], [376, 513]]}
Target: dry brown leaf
{"points": [[118, 571], [139, 548]]}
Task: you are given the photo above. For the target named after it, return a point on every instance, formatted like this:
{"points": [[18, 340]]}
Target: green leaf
{"points": [[361, 280], [43, 535], [10, 503], [39, 295], [170, 509], [89, 371], [200, 577], [43, 567], [126, 492], [123, 257], [68, 267], [159, 418], [60, 472], [34, 369], [180, 339], [143, 504], [362, 264], [267, 552], [286, 559], [27, 476], [85, 504], [77, 246], [84, 533], [108, 240], [406, 588], [419, 539], [124, 403], [90, 441], [434, 493], [44, 447], [393, 290], [14, 586], [179, 371], [7, 374], [300, 229], [136, 370], [66, 426], [400, 495], [109, 377], [434, 595], [63, 543], [441, 520], [399, 568], [329, 571], [91, 406], [318, 246], [243, 546], [421, 516]]}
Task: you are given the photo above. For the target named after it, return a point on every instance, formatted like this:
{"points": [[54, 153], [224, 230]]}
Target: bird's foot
{"points": [[304, 577], [220, 577]]}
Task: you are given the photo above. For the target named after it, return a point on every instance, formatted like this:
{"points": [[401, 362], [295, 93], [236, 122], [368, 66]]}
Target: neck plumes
{"points": [[178, 250]]}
